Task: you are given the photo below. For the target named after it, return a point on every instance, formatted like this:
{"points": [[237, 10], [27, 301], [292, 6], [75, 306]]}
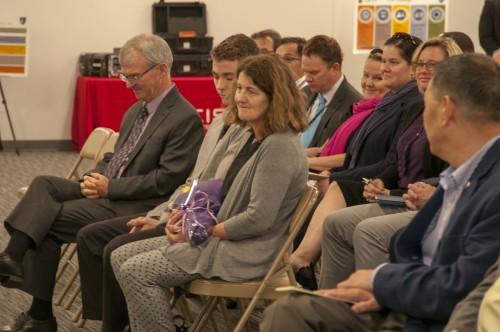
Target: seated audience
{"points": [[446, 249], [254, 217], [373, 140], [159, 139], [333, 96], [332, 154], [102, 298], [267, 40]]}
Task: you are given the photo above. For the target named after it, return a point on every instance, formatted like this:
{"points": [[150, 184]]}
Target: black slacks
{"points": [[51, 213], [102, 297]]}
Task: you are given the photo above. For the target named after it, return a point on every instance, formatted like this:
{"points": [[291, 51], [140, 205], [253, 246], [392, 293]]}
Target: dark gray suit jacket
{"points": [[163, 157], [337, 111]]}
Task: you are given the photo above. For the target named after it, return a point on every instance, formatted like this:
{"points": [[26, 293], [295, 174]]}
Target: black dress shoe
{"points": [[25, 323], [306, 278], [11, 269]]}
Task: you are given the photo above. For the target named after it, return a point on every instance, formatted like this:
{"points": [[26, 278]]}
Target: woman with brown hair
{"points": [[260, 191]]}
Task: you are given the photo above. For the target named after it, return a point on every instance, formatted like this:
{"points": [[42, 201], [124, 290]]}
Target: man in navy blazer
{"points": [[446, 249]]}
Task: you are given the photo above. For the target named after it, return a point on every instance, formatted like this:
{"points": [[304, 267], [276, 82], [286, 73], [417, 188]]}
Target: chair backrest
{"points": [[109, 146], [91, 148], [94, 142], [303, 208]]}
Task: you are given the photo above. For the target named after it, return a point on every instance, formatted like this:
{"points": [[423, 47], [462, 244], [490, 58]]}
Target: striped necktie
{"points": [[121, 157]]}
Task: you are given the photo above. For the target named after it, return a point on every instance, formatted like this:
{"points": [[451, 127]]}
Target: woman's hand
{"points": [[373, 188], [173, 228]]}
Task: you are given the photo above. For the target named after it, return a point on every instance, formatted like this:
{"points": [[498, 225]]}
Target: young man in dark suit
{"points": [[332, 98], [446, 249], [159, 139]]}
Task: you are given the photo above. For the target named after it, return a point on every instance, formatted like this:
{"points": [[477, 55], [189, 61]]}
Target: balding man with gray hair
{"points": [[159, 140]]}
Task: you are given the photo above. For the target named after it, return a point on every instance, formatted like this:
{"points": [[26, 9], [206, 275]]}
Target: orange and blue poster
{"points": [[366, 26], [377, 20], [13, 50]]}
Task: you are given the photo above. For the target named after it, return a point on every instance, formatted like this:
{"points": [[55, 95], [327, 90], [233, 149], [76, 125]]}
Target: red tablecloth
{"points": [[101, 102]]}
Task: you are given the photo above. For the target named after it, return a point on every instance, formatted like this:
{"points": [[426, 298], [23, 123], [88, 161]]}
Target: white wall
{"points": [[41, 104]]}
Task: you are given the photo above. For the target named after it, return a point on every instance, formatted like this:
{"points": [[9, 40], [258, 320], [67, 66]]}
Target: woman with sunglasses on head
{"points": [[260, 192], [408, 161]]}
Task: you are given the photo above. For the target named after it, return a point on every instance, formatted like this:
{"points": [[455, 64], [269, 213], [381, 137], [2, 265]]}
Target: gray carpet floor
{"points": [[17, 171]]}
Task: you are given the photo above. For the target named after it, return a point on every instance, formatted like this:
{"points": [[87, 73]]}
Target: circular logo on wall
{"points": [[401, 15], [418, 15], [383, 15], [437, 15], [365, 15]]}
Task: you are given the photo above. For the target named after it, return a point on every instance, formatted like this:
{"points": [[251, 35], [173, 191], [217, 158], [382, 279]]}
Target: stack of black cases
{"points": [[99, 64], [184, 26]]}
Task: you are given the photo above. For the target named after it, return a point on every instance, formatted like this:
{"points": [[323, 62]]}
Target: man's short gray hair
{"points": [[153, 48], [473, 83]]}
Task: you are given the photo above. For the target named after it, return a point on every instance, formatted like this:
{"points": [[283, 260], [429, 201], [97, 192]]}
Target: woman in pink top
{"points": [[332, 154]]}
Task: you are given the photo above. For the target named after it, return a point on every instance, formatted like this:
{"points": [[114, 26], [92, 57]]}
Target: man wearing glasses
{"points": [[159, 140], [290, 51]]}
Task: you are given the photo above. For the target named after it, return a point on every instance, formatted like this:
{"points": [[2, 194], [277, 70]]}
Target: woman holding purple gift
{"points": [[260, 190]]}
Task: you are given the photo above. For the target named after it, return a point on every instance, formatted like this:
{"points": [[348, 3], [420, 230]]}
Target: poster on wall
{"points": [[377, 20], [14, 47]]}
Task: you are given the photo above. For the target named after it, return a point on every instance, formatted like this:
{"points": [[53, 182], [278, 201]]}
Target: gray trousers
{"points": [[302, 313], [144, 274], [51, 213], [358, 237]]}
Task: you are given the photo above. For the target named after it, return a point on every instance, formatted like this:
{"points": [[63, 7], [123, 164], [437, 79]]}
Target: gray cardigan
{"points": [[211, 153], [256, 214]]}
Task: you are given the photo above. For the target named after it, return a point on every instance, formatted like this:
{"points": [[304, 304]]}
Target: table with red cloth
{"points": [[102, 102]]}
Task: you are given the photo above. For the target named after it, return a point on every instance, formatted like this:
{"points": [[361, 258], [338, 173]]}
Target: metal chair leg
{"points": [[204, 315]]}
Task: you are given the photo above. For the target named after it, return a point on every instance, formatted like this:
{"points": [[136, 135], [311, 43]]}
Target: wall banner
{"points": [[377, 20], [14, 47]]}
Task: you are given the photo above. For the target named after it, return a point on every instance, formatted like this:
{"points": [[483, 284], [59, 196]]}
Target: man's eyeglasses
{"points": [[289, 58], [133, 78], [429, 65]]}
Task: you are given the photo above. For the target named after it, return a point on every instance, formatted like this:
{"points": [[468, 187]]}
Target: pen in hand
{"points": [[366, 180]]}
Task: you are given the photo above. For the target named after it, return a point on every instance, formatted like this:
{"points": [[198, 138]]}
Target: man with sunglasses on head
{"points": [[159, 139]]}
